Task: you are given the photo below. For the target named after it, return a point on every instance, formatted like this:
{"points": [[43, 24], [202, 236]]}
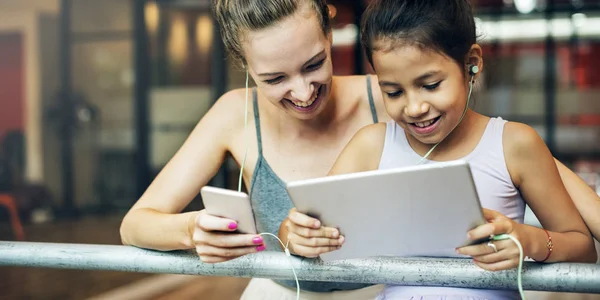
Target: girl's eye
{"points": [[432, 86], [395, 94]]}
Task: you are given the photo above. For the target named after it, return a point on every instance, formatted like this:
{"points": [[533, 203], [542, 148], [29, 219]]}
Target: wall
{"points": [[24, 22], [12, 92]]}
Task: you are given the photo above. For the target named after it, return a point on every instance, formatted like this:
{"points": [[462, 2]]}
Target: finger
{"points": [[476, 250], [491, 215], [213, 259], [498, 266], [484, 249], [327, 232], [227, 240], [303, 220], [311, 252], [213, 223], [207, 250], [315, 242], [486, 230], [506, 254]]}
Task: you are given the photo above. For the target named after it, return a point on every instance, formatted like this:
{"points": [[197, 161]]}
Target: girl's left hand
{"points": [[506, 253]]}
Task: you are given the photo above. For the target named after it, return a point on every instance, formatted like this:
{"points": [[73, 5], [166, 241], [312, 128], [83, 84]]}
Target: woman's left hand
{"points": [[499, 255]]}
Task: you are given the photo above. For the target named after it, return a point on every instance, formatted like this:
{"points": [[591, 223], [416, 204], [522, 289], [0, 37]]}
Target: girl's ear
{"points": [[475, 61]]}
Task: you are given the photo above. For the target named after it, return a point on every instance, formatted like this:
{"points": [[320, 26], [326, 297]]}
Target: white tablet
{"points": [[424, 210], [229, 204]]}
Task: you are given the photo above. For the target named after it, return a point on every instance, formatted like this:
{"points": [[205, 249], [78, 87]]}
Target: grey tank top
{"points": [[271, 204]]}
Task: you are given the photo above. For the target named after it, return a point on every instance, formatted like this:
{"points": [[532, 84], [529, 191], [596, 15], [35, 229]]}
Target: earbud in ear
{"points": [[473, 69]]}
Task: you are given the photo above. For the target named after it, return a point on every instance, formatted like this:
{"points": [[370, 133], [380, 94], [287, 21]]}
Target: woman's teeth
{"points": [[307, 103]]}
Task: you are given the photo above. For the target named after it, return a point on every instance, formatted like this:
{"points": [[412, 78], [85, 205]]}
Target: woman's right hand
{"points": [[306, 237], [215, 239]]}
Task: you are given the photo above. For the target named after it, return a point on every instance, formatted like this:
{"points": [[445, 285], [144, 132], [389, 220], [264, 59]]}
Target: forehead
{"points": [[410, 60], [290, 42]]}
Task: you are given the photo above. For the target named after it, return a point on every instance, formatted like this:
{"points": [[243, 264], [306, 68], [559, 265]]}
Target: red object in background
{"points": [[12, 92]]}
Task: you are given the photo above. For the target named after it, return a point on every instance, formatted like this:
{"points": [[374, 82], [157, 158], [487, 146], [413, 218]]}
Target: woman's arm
{"points": [[586, 200], [155, 221]]}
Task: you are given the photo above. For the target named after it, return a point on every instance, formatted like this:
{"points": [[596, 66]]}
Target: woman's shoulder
{"points": [[232, 104], [226, 115], [354, 82], [357, 87]]}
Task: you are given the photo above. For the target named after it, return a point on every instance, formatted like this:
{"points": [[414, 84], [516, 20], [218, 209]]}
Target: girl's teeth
{"points": [[424, 124]]}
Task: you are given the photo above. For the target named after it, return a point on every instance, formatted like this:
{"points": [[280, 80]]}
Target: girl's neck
{"points": [[459, 143]]}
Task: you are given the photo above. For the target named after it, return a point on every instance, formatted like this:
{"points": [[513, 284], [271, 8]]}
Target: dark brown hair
{"points": [[236, 17], [446, 26]]}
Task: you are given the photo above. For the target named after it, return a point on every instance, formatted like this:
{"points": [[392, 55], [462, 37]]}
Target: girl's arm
{"points": [[534, 172], [306, 236], [363, 152]]}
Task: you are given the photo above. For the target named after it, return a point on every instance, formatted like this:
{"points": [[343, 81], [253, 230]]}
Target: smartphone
{"points": [[229, 204]]}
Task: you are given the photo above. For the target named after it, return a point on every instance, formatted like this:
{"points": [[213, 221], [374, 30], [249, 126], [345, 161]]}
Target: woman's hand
{"points": [[306, 237], [215, 239], [495, 255]]}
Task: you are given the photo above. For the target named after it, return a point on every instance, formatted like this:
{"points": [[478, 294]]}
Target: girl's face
{"points": [[424, 91], [291, 64]]}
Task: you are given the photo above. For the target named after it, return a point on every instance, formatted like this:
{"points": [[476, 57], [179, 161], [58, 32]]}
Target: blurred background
{"points": [[96, 96]]}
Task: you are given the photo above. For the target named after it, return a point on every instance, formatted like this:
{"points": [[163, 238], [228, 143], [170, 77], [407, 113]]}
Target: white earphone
{"points": [[473, 70]]}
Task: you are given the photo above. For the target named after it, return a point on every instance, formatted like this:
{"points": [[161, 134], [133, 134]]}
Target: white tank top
{"points": [[494, 186]]}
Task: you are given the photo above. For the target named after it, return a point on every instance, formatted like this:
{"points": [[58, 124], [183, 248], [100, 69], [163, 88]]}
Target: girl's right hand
{"points": [[306, 236], [215, 239]]}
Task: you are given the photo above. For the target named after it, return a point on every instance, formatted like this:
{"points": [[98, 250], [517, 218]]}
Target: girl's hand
{"points": [[495, 255], [306, 237]]}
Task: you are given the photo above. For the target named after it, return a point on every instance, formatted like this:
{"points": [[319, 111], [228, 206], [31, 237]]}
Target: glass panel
{"points": [[105, 15], [578, 108], [104, 138]]}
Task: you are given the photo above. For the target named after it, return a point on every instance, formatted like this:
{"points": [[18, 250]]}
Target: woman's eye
{"points": [[274, 80], [315, 66]]}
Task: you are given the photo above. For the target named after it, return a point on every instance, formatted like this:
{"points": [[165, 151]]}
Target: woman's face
{"points": [[291, 64]]}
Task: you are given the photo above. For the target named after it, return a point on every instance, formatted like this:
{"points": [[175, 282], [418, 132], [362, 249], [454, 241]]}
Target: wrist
{"points": [[283, 232], [190, 226], [538, 244], [546, 247]]}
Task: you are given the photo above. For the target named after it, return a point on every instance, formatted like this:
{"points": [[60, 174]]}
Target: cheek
{"points": [[394, 108], [273, 93], [323, 75], [450, 98]]}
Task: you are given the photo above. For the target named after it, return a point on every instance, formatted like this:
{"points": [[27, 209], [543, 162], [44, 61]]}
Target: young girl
{"points": [[426, 59]]}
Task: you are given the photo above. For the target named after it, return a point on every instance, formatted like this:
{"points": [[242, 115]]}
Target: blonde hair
{"points": [[236, 17]]}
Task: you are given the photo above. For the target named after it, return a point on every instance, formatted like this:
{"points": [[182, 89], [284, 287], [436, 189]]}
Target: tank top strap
{"points": [[371, 101], [257, 121]]}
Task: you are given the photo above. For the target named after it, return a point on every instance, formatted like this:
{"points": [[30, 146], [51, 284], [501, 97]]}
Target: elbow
{"points": [[124, 230], [590, 255], [593, 256]]}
